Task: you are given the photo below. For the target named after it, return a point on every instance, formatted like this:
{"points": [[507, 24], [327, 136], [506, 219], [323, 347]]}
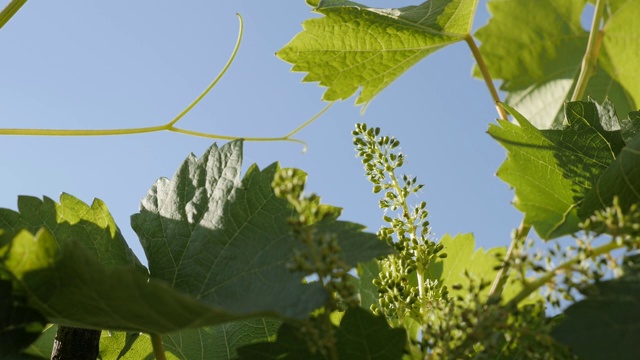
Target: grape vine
{"points": [[250, 266]]}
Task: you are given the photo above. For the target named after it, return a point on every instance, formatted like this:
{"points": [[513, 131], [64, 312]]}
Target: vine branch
{"points": [[486, 75], [590, 59], [10, 9], [503, 274], [549, 275]]}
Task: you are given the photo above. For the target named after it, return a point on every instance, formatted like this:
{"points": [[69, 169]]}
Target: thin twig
{"points": [[503, 274]]}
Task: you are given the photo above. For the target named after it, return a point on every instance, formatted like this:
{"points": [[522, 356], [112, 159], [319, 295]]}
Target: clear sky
{"points": [[94, 65]]}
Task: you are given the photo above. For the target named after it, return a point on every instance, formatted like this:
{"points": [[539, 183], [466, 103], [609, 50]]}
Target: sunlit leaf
{"points": [[354, 46], [71, 219], [537, 47], [553, 170]]}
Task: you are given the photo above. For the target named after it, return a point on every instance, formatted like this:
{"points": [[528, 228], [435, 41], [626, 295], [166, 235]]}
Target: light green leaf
{"points": [[120, 345], [462, 255], [479, 263], [552, 170], [621, 46], [536, 48], [92, 226], [43, 346], [354, 46]]}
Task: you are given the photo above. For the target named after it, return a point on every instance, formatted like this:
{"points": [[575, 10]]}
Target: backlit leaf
{"points": [[553, 170], [537, 47], [354, 46], [92, 226]]}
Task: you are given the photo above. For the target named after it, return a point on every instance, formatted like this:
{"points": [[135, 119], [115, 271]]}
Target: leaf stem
{"points": [[158, 347], [503, 274], [590, 59], [11, 9], [486, 76], [542, 280]]}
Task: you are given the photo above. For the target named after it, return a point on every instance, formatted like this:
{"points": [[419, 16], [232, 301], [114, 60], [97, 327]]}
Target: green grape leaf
{"points": [[462, 256], [367, 272], [207, 215], [605, 324], [20, 325], [70, 287], [354, 46], [553, 170], [540, 66], [120, 345], [93, 226], [210, 342], [221, 341], [479, 263], [43, 346], [621, 179], [226, 241], [222, 240], [288, 346], [361, 335], [621, 32], [365, 336]]}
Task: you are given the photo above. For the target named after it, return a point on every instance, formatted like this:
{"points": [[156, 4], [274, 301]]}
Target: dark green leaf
{"points": [[368, 271], [361, 335], [70, 287], [605, 324], [222, 240], [226, 241], [364, 336], [20, 325]]}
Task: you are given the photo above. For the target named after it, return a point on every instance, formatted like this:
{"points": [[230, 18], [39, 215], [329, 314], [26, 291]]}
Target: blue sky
{"points": [[96, 65]]}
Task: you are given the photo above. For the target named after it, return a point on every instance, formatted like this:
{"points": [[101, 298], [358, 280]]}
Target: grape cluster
{"points": [[453, 325], [320, 255]]}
